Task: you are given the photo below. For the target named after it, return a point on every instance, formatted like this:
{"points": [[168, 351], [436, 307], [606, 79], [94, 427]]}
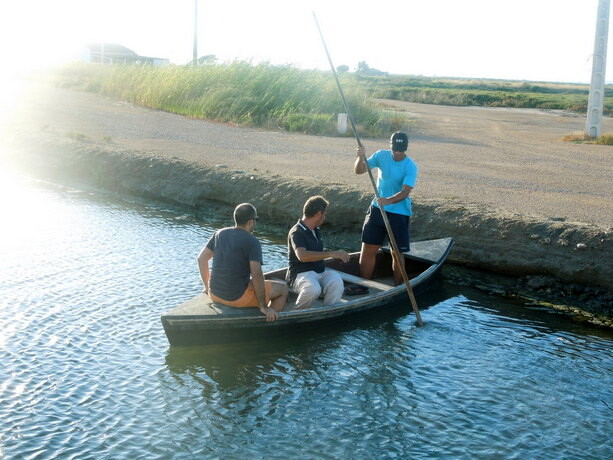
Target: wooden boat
{"points": [[202, 321]]}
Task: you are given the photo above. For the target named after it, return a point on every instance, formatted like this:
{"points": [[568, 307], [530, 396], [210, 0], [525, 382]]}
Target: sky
{"points": [[535, 40]]}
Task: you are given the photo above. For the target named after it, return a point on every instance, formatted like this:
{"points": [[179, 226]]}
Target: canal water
{"points": [[86, 370]]}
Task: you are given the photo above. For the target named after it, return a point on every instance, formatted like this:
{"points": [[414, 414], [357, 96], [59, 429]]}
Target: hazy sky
{"points": [[543, 40]]}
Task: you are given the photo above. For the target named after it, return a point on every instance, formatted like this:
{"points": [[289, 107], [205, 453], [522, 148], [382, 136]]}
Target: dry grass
{"points": [[580, 137]]}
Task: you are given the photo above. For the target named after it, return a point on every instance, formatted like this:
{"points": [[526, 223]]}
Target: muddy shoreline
{"points": [[495, 213]]}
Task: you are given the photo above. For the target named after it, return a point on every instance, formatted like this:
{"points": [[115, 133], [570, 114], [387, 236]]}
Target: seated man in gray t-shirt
{"points": [[236, 277]]}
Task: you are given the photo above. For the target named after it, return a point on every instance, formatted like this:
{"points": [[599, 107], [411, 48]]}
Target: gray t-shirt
{"points": [[233, 249]]}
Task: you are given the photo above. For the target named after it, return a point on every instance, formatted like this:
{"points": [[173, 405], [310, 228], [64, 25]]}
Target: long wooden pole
{"points": [[395, 251]]}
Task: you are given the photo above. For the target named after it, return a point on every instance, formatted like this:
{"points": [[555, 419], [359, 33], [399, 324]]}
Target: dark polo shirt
{"points": [[300, 236]]}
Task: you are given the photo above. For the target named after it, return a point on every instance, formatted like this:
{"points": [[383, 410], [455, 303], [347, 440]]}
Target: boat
{"points": [[200, 321]]}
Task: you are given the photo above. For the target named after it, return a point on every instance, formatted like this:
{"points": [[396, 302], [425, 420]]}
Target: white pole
{"points": [[595, 104], [341, 123], [195, 58]]}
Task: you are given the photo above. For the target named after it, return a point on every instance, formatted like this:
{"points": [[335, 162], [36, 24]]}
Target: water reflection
{"points": [[309, 340], [470, 377]]}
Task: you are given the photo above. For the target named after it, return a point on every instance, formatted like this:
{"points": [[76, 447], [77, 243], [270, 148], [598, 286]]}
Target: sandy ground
{"points": [[516, 198]]}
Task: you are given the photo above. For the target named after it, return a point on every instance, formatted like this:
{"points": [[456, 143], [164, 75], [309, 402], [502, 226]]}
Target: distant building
{"points": [[112, 53]]}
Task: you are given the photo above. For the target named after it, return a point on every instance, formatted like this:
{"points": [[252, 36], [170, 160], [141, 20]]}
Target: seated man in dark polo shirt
{"points": [[306, 274], [236, 278]]}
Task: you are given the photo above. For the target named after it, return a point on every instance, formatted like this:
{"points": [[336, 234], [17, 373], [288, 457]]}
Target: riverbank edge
{"points": [[564, 264]]}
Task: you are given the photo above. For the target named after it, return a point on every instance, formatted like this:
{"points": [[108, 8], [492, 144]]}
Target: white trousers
{"points": [[311, 285]]}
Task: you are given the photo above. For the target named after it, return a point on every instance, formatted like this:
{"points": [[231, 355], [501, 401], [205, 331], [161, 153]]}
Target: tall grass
{"points": [[284, 97], [260, 95]]}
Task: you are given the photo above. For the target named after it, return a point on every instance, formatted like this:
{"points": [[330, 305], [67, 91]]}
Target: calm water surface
{"points": [[86, 370]]}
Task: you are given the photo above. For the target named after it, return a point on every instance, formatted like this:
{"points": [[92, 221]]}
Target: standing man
{"points": [[307, 274], [396, 179], [236, 278]]}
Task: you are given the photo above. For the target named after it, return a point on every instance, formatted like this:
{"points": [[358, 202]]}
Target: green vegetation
{"points": [[582, 138], [262, 95], [605, 139], [307, 101], [477, 92]]}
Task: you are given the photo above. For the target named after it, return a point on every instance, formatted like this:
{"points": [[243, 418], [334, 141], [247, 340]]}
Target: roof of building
{"points": [[111, 49]]}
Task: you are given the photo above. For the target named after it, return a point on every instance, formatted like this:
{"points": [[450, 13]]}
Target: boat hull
{"points": [[201, 321]]}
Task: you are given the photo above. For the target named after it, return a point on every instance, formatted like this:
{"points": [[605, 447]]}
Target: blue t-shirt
{"points": [[233, 248], [392, 176]]}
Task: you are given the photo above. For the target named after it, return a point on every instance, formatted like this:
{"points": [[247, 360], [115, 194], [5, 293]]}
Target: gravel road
{"points": [[509, 160]]}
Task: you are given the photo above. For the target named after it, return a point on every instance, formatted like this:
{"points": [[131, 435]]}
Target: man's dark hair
{"points": [[243, 213], [313, 205]]}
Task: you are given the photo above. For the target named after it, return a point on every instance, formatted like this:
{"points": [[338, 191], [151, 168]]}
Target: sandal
{"points": [[355, 289]]}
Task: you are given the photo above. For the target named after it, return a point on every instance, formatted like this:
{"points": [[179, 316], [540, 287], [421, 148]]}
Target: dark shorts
{"points": [[374, 231]]}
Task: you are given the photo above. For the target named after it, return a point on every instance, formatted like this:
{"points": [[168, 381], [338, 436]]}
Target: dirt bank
{"points": [[518, 201]]}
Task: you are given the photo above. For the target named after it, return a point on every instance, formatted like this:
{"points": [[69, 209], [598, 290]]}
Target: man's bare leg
{"points": [[396, 269], [368, 258], [278, 295]]}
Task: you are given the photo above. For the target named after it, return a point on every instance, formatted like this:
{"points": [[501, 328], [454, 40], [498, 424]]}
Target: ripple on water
{"points": [[87, 371]]}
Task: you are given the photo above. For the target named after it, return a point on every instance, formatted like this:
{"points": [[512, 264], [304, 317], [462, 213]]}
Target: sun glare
{"points": [[10, 90], [10, 189], [19, 203]]}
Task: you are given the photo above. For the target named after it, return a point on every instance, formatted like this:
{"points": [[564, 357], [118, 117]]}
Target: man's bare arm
{"points": [[313, 256], [396, 198], [257, 278], [203, 266], [359, 166]]}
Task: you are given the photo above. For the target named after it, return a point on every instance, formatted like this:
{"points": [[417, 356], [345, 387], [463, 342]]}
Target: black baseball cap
{"points": [[399, 141]]}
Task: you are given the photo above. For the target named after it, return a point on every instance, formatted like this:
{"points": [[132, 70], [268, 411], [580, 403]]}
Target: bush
{"points": [[309, 123], [605, 139]]}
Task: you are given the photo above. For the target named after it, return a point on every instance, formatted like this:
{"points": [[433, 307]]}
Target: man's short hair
{"points": [[313, 205], [243, 213]]}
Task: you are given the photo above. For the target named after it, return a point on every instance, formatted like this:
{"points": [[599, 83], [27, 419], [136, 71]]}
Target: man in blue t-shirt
{"points": [[396, 179], [236, 278]]}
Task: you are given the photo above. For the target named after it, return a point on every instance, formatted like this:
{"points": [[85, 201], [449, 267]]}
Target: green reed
{"points": [[263, 95]]}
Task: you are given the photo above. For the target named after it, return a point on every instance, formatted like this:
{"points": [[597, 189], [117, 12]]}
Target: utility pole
{"points": [[595, 104], [195, 58]]}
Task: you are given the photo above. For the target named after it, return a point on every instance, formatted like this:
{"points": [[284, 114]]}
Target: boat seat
{"points": [[362, 281], [274, 278]]}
